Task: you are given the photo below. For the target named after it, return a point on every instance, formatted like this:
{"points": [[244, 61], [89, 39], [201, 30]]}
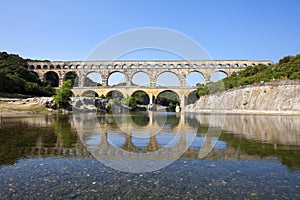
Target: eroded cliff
{"points": [[282, 97]]}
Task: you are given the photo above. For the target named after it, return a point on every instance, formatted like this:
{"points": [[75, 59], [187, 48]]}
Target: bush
{"points": [[63, 95]]}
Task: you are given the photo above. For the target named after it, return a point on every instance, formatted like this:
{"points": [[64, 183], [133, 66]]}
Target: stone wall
{"points": [[280, 97]]}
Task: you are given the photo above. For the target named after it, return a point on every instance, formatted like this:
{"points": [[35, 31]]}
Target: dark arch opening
{"points": [[169, 99], [141, 97], [51, 78], [73, 77], [114, 94], [90, 93], [192, 97]]}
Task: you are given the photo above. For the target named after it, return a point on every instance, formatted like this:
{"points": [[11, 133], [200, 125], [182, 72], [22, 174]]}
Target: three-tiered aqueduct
{"points": [[181, 68]]}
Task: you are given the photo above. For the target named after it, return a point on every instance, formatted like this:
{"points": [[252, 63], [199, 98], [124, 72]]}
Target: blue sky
{"points": [[228, 29]]}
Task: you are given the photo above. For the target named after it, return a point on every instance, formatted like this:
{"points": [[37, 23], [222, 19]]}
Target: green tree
{"points": [[63, 95]]}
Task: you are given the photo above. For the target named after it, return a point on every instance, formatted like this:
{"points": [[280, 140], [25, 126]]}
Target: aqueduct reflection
{"points": [[249, 137]]}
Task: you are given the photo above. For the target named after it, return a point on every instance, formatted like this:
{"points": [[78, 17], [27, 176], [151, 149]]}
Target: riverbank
{"points": [[267, 98], [21, 106]]}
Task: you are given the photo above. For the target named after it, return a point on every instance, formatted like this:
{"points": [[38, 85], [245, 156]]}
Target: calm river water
{"points": [[149, 156]]}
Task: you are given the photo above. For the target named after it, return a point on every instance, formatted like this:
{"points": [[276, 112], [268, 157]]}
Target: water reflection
{"points": [[244, 137]]}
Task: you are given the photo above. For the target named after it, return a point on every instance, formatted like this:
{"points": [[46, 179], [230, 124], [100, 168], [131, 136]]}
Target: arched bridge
{"points": [[152, 69]]}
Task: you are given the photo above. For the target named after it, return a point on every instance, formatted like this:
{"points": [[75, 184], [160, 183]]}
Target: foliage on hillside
{"points": [[15, 78], [288, 68]]}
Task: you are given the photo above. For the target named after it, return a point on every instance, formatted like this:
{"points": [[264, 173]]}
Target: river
{"points": [[149, 155]]}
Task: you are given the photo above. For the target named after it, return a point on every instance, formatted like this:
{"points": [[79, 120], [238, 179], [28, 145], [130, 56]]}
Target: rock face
{"points": [[47, 102], [264, 98]]}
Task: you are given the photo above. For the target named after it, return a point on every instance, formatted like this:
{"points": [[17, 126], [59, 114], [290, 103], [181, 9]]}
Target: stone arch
{"points": [[114, 94], [66, 67], [194, 77], [141, 97], [167, 78], [236, 66], [140, 78], [132, 66], [244, 65], [73, 76], [51, 78], [218, 75], [38, 67], [202, 66], [31, 67], [168, 98], [192, 97], [92, 78], [116, 78], [58, 67], [89, 93], [51, 67]]}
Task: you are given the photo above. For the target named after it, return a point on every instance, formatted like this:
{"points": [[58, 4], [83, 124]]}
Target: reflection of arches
{"points": [[170, 121], [194, 78], [116, 78], [89, 93], [140, 78], [140, 118], [167, 78], [192, 97], [51, 78], [113, 94], [93, 79], [141, 97], [218, 75]]}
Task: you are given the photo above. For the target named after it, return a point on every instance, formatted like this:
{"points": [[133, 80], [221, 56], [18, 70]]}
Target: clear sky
{"points": [[227, 29]]}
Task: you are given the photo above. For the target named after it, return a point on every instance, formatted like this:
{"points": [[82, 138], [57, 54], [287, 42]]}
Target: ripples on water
{"points": [[66, 156]]}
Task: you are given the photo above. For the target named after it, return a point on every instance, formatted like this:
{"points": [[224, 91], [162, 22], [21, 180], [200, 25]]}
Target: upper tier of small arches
{"points": [[144, 65]]}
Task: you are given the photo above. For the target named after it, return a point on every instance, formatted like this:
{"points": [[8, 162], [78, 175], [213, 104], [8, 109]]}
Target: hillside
{"points": [[15, 78]]}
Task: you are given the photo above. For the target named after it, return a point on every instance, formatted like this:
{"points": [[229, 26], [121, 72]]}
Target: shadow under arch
{"points": [[89, 93], [141, 97], [114, 94], [73, 76], [192, 97], [169, 99], [51, 78]]}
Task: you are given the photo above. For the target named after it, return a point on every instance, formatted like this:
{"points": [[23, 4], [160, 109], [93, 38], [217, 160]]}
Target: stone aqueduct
{"points": [[181, 68]]}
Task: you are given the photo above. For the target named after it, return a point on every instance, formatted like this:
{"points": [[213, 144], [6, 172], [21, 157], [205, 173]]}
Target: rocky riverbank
{"points": [[265, 98]]}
